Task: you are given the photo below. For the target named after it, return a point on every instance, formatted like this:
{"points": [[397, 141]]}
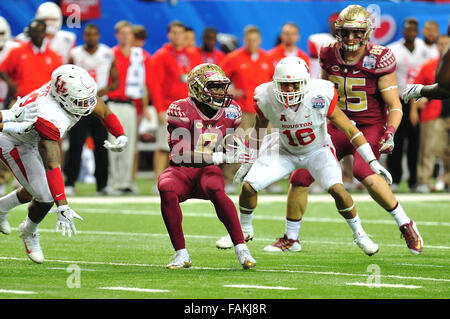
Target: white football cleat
{"points": [[366, 244], [180, 260], [226, 243], [284, 244], [5, 228], [32, 246], [244, 257]]}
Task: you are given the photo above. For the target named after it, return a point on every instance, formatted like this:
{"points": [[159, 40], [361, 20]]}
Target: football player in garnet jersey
{"points": [[34, 156], [364, 77], [197, 128], [299, 108]]}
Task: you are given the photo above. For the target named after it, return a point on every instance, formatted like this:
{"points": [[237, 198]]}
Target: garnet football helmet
{"points": [[74, 89], [51, 14], [291, 70], [353, 18], [208, 84]]}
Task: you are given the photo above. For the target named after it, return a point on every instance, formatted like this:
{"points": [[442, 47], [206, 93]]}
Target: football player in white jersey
{"points": [[34, 155], [299, 107], [61, 41]]}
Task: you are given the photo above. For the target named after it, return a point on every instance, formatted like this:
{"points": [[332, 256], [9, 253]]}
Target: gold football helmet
{"points": [[356, 19], [208, 84]]}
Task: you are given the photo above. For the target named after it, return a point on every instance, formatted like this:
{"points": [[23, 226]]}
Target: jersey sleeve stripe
{"points": [[333, 103], [47, 129]]}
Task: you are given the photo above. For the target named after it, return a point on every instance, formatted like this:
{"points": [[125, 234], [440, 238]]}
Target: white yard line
{"points": [[232, 269], [314, 198], [259, 287], [17, 292], [362, 284], [215, 237], [133, 289]]}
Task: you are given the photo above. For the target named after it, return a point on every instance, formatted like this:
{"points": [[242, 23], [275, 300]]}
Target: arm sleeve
{"points": [[47, 130], [333, 103]]}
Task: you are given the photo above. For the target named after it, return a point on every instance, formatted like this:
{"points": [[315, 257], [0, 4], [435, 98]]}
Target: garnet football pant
{"points": [[177, 184]]}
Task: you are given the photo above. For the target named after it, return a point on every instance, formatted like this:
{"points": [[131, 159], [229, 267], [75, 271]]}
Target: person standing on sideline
{"points": [[98, 60], [170, 66], [410, 54], [434, 125], [246, 67], [130, 62], [289, 37], [208, 50]]}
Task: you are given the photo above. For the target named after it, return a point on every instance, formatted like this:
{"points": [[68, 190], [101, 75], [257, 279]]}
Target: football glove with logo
{"points": [[386, 144], [119, 144], [377, 168], [65, 220], [412, 91]]}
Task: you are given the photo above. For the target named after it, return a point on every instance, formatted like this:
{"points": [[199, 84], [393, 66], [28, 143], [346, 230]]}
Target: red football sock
{"points": [[226, 211], [171, 212]]}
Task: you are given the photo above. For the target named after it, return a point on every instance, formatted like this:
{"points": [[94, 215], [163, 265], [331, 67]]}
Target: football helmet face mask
{"points": [[51, 14], [74, 89], [291, 79], [208, 84], [355, 20], [5, 31]]}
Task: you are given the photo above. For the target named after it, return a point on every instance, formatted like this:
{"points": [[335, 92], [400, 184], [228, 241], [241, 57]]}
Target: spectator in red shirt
{"points": [[246, 67], [434, 128], [170, 66], [208, 50], [288, 46], [30, 65]]}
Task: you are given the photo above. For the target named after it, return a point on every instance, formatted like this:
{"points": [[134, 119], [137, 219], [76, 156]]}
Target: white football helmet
{"points": [[291, 70], [74, 89], [51, 13], [5, 31]]}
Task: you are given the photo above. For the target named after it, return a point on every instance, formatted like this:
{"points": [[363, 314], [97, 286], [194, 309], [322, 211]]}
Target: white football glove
{"points": [[241, 173], [17, 127], [65, 220], [26, 113], [377, 168], [412, 91], [241, 153], [119, 144]]}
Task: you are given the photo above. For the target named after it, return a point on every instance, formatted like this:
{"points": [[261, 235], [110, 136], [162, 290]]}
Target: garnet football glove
{"points": [[386, 143], [377, 168], [119, 144], [65, 220], [412, 91]]}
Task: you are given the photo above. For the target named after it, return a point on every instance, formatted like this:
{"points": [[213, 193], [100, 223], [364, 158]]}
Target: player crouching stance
{"points": [[196, 126], [299, 107], [33, 155]]}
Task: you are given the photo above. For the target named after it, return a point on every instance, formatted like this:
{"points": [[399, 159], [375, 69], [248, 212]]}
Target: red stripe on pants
{"points": [[15, 155]]}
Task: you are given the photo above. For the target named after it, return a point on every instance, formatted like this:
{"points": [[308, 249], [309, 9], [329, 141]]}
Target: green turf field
{"points": [[122, 248]]}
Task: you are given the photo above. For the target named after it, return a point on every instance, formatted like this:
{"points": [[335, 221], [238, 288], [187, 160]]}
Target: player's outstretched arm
{"points": [[51, 158], [112, 125], [359, 142], [438, 91], [387, 85]]}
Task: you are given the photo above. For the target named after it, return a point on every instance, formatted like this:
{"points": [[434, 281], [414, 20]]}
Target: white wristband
{"points": [[11, 127], [218, 158], [366, 152], [7, 116]]}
